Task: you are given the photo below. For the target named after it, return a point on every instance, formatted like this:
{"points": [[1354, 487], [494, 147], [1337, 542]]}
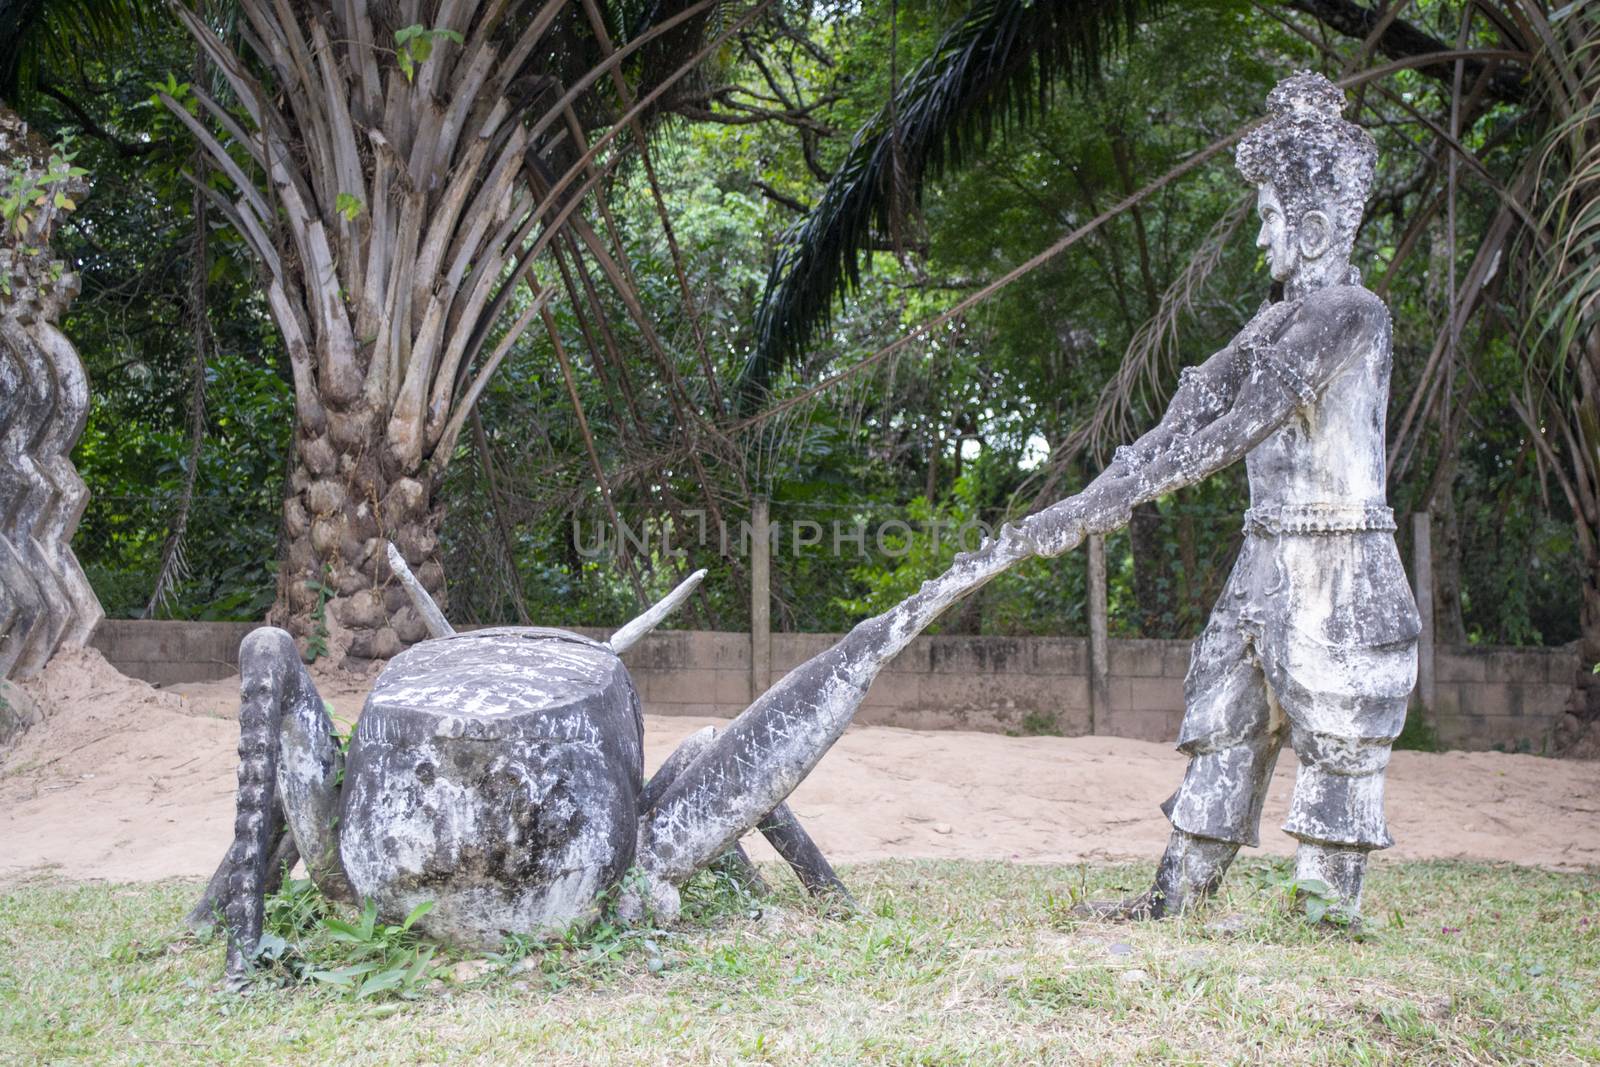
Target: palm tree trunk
{"points": [[342, 506]]}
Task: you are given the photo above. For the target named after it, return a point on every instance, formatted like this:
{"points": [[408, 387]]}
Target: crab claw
{"points": [[432, 617], [626, 637]]}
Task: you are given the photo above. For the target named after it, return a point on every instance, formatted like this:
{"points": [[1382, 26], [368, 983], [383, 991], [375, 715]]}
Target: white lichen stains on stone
{"points": [[496, 774]]}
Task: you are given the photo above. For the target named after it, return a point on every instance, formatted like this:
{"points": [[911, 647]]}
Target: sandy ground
{"points": [[123, 782]]}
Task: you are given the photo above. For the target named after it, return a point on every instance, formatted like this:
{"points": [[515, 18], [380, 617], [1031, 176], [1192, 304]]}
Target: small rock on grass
{"points": [[468, 970], [1228, 926]]}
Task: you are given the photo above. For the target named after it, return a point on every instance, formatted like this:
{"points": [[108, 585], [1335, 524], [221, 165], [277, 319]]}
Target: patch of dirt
{"points": [[125, 782]]}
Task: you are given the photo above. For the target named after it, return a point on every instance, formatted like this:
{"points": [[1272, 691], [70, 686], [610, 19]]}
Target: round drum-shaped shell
{"points": [[495, 774]]}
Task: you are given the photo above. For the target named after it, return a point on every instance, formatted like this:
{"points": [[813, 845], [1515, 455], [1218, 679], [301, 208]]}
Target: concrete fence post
{"points": [[1422, 579], [1099, 643], [760, 598]]}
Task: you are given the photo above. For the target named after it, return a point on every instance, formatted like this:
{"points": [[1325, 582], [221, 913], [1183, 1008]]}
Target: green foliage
{"points": [[414, 44], [1312, 896], [23, 193], [995, 65], [41, 35], [28, 197], [305, 941], [317, 639]]}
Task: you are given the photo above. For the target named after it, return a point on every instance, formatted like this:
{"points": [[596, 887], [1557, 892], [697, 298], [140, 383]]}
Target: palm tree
{"points": [[398, 172]]}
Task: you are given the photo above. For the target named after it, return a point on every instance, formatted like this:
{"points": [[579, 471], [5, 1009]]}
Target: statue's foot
{"points": [[1338, 873]]}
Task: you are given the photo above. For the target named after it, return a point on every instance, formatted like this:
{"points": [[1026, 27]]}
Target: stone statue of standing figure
{"points": [[1314, 637]]}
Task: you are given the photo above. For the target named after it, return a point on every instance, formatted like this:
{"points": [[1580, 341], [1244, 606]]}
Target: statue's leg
{"points": [[1337, 812], [1232, 732], [287, 757], [779, 826], [207, 911], [784, 832], [1345, 711]]}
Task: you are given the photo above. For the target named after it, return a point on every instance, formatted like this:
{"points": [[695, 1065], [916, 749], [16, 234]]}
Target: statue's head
{"points": [[1313, 171]]}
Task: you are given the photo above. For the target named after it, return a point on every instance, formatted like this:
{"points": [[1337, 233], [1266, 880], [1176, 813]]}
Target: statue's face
{"points": [[1291, 244], [1275, 236]]}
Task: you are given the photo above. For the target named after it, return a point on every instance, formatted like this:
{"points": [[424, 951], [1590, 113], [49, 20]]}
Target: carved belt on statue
{"points": [[1276, 519]]}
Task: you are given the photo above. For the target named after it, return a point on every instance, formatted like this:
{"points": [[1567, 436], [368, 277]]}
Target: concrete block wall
{"points": [[1496, 697], [165, 652], [1505, 698]]}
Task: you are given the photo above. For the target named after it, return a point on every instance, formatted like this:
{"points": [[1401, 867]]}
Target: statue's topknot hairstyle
{"points": [[1311, 155]]}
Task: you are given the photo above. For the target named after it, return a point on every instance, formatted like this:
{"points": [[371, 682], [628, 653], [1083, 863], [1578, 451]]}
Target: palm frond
{"points": [[33, 32], [996, 66], [1566, 291]]}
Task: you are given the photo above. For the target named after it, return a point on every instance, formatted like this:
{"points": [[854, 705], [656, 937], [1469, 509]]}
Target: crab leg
{"points": [[753, 765], [287, 757], [784, 832], [736, 857], [202, 918]]}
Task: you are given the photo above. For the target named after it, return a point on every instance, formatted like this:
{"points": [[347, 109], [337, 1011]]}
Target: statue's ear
{"points": [[1314, 234]]}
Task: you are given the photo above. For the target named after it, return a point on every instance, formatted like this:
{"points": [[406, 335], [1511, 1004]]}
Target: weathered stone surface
{"points": [[45, 599], [496, 774], [17, 712]]}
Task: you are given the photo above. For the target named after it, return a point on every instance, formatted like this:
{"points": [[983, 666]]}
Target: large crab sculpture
{"points": [[498, 774]]}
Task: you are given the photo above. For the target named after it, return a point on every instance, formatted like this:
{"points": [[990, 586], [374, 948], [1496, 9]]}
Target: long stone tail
{"points": [[208, 911], [261, 688]]}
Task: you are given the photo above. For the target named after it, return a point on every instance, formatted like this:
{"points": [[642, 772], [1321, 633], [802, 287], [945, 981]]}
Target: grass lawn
{"points": [[943, 963]]}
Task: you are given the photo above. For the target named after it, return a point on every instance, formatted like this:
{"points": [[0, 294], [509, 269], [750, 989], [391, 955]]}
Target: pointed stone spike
{"points": [[432, 617], [629, 635]]}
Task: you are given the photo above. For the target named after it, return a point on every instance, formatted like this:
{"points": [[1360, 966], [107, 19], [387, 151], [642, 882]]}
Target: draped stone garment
{"points": [[1314, 636]]}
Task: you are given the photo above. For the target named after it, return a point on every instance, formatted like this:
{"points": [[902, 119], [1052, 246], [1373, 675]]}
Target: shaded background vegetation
{"points": [[194, 414]]}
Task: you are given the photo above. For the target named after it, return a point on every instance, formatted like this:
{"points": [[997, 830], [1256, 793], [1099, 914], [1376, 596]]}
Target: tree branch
{"points": [[781, 198], [86, 122], [1401, 40]]}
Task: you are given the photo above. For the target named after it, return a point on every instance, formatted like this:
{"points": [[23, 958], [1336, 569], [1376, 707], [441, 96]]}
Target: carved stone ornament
{"points": [[45, 600]]}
